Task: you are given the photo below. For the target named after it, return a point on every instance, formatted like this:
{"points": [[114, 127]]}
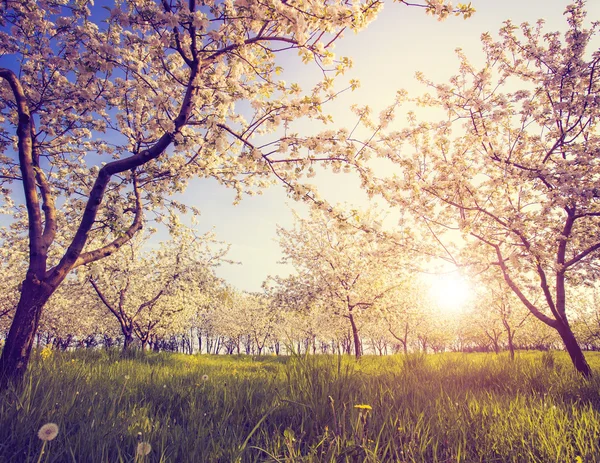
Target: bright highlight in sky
{"points": [[450, 292]]}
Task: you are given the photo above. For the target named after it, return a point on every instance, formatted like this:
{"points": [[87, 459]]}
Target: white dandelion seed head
{"points": [[143, 449], [48, 431], [204, 377]]}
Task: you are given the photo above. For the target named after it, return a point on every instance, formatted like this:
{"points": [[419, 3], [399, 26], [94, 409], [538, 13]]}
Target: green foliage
{"points": [[437, 408]]}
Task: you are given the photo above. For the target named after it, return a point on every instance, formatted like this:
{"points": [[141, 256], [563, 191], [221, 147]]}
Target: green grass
{"points": [[438, 408]]}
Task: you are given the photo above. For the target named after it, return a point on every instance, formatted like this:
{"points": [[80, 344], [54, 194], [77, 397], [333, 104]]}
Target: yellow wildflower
{"points": [[363, 407]]}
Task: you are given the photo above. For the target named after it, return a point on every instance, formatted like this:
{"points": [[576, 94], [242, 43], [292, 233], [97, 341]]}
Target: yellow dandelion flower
{"points": [[363, 407], [46, 353]]}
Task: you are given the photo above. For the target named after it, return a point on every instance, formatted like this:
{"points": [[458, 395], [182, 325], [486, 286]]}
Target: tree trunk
{"points": [[355, 337], [495, 344], [511, 346], [574, 350], [17, 349], [127, 342]]}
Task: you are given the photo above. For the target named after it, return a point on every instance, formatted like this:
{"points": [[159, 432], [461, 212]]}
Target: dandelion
{"points": [[143, 449], [204, 377], [48, 431], [363, 407], [46, 353]]}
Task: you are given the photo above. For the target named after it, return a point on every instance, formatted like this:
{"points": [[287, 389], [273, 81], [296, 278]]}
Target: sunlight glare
{"points": [[450, 292]]}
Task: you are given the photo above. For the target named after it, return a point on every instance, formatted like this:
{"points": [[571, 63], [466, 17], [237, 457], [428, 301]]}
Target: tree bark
{"points": [[17, 350], [355, 337], [574, 350], [127, 342], [511, 346]]}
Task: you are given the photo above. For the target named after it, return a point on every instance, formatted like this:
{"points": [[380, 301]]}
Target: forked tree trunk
{"points": [[574, 350], [403, 340], [17, 350], [495, 343]]}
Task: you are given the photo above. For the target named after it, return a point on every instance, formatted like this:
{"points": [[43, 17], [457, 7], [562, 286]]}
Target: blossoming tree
{"points": [[515, 165], [410, 311], [64, 324], [105, 112], [345, 268], [499, 312], [247, 320], [147, 291]]}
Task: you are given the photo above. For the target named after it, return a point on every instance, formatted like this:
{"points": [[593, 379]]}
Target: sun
{"points": [[450, 292]]}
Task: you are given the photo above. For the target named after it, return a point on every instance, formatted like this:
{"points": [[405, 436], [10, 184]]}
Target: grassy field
{"points": [[437, 408]]}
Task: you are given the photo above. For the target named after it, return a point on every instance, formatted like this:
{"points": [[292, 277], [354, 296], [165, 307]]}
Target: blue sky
{"points": [[386, 57]]}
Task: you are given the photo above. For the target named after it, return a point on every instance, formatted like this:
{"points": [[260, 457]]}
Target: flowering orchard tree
{"points": [[204, 319], [305, 319], [64, 322], [13, 258], [408, 311], [587, 320], [104, 113], [515, 165], [498, 311], [343, 267], [149, 291], [248, 318]]}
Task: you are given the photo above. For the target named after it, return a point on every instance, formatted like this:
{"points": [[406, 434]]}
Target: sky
{"points": [[386, 56]]}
